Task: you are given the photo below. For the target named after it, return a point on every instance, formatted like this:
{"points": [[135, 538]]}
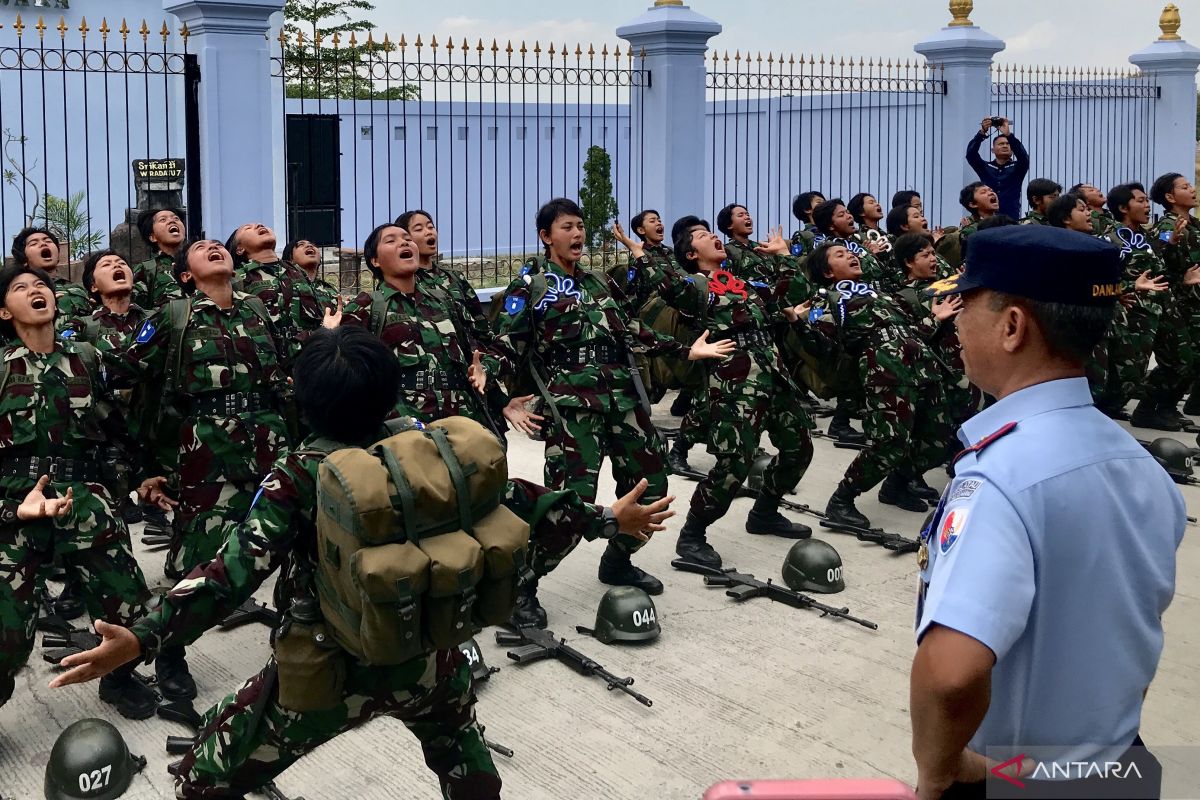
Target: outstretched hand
{"points": [[797, 312], [635, 248], [775, 245], [1146, 283], [520, 417], [152, 491], [37, 506], [1192, 276], [476, 374], [117, 646], [333, 316], [702, 348], [640, 520], [944, 308]]}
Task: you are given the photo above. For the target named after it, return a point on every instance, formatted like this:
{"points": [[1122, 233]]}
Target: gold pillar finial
{"points": [[960, 10], [1169, 23], [661, 3]]}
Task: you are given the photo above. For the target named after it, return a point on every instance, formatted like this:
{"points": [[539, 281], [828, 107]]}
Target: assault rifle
{"points": [[58, 645], [251, 611], [741, 586], [536, 644]]}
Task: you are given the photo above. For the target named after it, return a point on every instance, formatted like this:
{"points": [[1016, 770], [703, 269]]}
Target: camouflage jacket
{"points": [[804, 241], [730, 308], [429, 333], [54, 404], [748, 265], [106, 324], [873, 269], [889, 339], [460, 290], [73, 303], [942, 336], [326, 292], [281, 531], [1140, 253], [1034, 218], [154, 282], [552, 331], [224, 353], [1102, 222], [638, 279], [290, 298]]}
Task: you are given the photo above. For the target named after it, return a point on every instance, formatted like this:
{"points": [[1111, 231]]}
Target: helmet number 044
{"points": [[96, 779], [643, 617]]}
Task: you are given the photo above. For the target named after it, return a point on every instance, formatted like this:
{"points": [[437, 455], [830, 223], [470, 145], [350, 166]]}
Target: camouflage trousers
{"points": [[201, 521], [1127, 347], [695, 424], [248, 739], [909, 430], [574, 457], [737, 424], [93, 546], [1175, 356]]}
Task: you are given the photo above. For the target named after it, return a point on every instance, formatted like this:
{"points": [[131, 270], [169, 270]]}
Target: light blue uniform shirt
{"points": [[1054, 545]]}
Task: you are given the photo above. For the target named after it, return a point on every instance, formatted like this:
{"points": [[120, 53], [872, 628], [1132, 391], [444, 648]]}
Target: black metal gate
{"points": [[314, 197]]}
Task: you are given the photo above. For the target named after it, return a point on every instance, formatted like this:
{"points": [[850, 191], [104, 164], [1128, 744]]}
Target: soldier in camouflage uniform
{"points": [[217, 357], [38, 248], [444, 369], [570, 337], [344, 382], [868, 214], [1040, 193], [1175, 346], [748, 393], [54, 424], [1130, 339], [805, 236], [285, 290], [907, 424], [1102, 218], [911, 219], [154, 281], [307, 257], [981, 203]]}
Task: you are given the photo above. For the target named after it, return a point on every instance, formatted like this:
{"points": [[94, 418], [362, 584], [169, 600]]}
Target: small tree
{"points": [[596, 198], [66, 219], [18, 176]]}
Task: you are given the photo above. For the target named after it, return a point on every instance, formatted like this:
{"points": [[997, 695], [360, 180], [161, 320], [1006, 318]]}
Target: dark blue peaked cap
{"points": [[1052, 265]]}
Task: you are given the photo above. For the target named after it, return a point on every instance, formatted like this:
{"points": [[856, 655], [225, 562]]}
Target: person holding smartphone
{"points": [[1006, 172]]}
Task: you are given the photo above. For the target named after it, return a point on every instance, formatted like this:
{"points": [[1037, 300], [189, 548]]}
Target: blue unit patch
{"points": [[514, 305], [67, 334], [797, 249], [146, 332]]}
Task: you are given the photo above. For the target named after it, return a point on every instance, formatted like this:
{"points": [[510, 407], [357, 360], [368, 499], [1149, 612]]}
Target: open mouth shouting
{"points": [[310, 250], [39, 302]]}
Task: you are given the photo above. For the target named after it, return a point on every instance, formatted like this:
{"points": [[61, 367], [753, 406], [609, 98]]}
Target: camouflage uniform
{"points": [[290, 299], [575, 339], [907, 423], [1130, 339], [1034, 218], [229, 392], [426, 331], [154, 282], [750, 391], [1175, 347], [1102, 222], [73, 303], [53, 406], [248, 738], [963, 398]]}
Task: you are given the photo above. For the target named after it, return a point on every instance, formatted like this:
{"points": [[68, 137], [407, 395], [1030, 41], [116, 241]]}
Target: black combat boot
{"points": [[617, 570], [174, 680], [155, 518], [841, 508], [69, 603], [131, 513], [125, 691], [765, 519], [682, 403], [528, 612], [923, 490], [1148, 415], [895, 492], [839, 428], [677, 456], [1191, 406], [693, 544]]}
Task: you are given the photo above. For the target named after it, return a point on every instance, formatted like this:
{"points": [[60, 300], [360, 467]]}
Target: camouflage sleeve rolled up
{"points": [[553, 515], [282, 513]]}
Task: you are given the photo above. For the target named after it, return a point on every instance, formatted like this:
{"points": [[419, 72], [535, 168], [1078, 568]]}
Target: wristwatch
{"points": [[611, 528]]}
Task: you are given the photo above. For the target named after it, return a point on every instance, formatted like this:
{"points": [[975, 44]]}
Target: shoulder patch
{"points": [[964, 489], [69, 333], [797, 248], [759, 284], [631, 274], [146, 332], [953, 526], [986, 441], [514, 305]]}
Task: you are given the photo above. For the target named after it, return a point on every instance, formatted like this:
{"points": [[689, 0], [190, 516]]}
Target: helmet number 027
{"points": [[643, 617], [96, 779], [833, 574]]}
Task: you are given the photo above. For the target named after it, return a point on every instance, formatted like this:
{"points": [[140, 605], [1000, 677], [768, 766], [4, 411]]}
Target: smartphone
{"points": [[817, 789]]}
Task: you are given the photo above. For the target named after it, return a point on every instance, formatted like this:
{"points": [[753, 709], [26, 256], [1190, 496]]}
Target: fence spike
{"points": [[771, 58], [370, 39], [496, 49], [83, 27], [62, 27], [479, 48], [604, 51], [616, 51], [165, 32], [144, 31], [551, 49], [433, 42], [353, 40], [124, 30], [537, 48], [523, 51], [418, 43], [449, 44], [337, 40], [578, 51], [40, 27], [508, 48], [104, 29], [283, 37], [642, 53], [591, 50], [19, 26]]}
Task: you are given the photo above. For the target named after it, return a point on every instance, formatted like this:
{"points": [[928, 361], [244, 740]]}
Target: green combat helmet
{"points": [[480, 671], [813, 566], [1174, 456], [90, 761], [626, 614], [754, 480]]}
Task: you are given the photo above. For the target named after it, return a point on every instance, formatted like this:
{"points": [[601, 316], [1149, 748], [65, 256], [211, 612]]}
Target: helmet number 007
{"points": [[643, 617], [833, 574], [96, 779]]}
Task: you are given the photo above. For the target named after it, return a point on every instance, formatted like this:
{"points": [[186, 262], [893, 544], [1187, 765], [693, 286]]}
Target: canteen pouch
{"points": [[455, 567], [504, 538], [311, 667]]}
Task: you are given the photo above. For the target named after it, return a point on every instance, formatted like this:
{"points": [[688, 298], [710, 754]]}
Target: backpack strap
{"points": [[180, 312], [91, 329], [379, 304], [458, 475], [405, 496], [91, 361]]}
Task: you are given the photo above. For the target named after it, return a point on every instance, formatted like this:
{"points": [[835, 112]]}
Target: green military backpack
{"points": [[670, 373], [415, 550]]}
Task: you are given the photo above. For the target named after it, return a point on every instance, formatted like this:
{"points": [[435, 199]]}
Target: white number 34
{"points": [[96, 779]]}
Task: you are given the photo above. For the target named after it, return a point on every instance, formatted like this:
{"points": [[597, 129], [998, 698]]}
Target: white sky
{"points": [[1071, 32]]}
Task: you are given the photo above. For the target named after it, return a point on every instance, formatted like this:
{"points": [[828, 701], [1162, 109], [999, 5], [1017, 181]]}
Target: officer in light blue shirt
{"points": [[1050, 559]]}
